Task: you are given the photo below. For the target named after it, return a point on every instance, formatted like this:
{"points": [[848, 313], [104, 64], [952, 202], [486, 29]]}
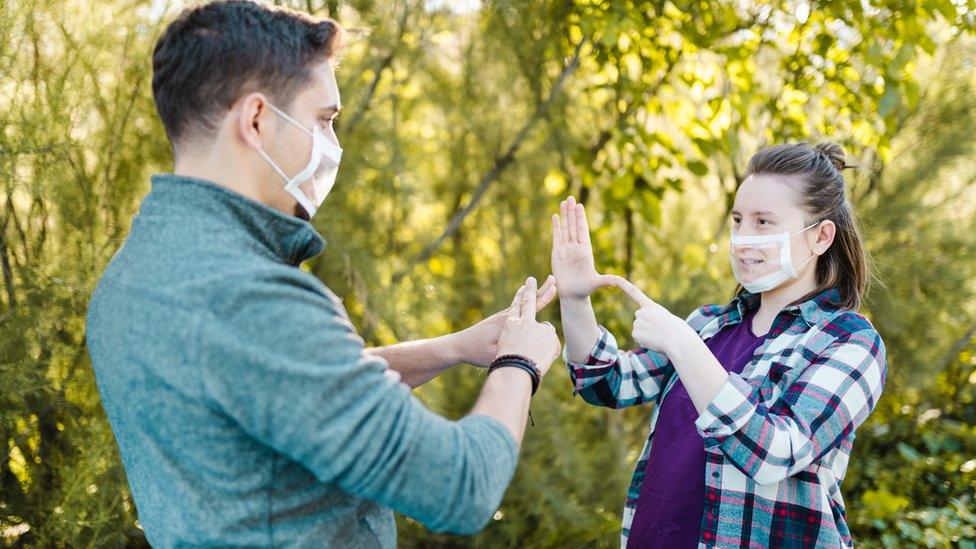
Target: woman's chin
{"points": [[748, 275]]}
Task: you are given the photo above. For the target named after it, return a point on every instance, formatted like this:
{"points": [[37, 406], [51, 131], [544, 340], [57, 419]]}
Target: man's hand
{"points": [[478, 344], [523, 335], [572, 254]]}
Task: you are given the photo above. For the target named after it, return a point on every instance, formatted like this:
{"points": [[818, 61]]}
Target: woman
{"points": [[757, 400]]}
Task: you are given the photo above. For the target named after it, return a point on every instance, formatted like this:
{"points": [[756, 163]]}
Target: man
{"points": [[245, 407]]}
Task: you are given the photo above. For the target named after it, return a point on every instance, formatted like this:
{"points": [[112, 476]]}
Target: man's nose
{"points": [[331, 134]]}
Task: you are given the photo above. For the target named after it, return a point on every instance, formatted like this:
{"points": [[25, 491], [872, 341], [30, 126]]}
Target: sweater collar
{"points": [[289, 238], [814, 310]]}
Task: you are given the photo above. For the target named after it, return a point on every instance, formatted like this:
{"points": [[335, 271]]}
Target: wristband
{"points": [[520, 362]]}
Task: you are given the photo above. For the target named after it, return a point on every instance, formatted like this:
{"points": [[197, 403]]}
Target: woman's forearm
{"points": [[580, 329], [700, 372]]}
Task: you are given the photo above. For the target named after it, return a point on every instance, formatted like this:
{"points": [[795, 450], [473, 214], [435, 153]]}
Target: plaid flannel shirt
{"points": [[778, 436]]}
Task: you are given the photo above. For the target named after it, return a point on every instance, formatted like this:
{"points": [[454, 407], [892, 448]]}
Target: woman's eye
{"points": [[763, 222]]}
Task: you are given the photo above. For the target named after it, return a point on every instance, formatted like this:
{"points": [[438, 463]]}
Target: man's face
{"points": [[317, 105]]}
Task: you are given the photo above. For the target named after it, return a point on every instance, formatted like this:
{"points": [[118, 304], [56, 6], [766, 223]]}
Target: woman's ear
{"points": [[824, 234]]}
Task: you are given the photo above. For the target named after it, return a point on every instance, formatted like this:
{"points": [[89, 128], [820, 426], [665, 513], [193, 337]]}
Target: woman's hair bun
{"points": [[834, 153]]}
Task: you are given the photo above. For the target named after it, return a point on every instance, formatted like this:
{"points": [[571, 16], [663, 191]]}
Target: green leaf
{"points": [[697, 167]]}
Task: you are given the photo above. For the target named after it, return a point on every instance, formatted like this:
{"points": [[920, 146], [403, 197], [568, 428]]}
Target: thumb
{"points": [[633, 292]]}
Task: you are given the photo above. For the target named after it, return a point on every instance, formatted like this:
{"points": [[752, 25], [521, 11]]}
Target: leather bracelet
{"points": [[520, 362], [521, 366], [522, 358]]}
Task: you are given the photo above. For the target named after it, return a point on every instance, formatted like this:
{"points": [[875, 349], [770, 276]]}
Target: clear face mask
{"points": [[762, 263], [311, 185]]}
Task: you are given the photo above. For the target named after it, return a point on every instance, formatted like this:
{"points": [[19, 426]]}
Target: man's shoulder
{"points": [[277, 281], [276, 300]]}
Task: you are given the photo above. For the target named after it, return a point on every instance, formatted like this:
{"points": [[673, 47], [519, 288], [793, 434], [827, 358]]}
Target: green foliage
{"points": [[464, 128]]}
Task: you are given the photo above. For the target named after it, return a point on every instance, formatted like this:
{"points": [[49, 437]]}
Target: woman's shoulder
{"points": [[853, 328], [846, 324], [850, 321]]}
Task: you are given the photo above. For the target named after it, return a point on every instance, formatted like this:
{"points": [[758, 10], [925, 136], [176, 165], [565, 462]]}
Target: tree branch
{"points": [[8, 278], [501, 162], [383, 64]]}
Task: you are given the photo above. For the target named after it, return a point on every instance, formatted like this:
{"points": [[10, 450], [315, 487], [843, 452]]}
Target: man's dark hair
{"points": [[213, 54]]}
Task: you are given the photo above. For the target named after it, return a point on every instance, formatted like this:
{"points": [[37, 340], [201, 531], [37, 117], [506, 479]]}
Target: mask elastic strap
{"points": [[274, 165], [806, 229], [282, 114], [796, 271], [333, 151]]}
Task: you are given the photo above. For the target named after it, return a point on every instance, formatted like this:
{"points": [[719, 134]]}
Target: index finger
{"points": [[632, 291], [528, 299], [582, 226], [515, 310]]}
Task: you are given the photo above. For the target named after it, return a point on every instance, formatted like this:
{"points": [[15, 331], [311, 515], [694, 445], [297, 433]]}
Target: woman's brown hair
{"points": [[817, 171]]}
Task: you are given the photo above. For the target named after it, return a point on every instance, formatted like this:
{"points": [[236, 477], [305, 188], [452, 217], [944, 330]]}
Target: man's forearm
{"points": [[505, 397], [419, 361]]}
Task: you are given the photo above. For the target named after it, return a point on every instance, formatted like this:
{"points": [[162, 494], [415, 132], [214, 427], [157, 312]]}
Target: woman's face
{"points": [[767, 206]]}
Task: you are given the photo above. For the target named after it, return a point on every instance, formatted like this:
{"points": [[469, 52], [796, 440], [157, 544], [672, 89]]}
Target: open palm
{"points": [[572, 254]]}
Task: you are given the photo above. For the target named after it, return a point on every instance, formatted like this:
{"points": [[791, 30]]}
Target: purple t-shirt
{"points": [[672, 498]]}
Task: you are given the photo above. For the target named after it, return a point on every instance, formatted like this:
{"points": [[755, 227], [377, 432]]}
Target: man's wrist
{"points": [[451, 349], [513, 377], [520, 362]]}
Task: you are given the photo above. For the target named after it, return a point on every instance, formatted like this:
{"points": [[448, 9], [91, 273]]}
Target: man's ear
{"points": [[825, 237], [256, 119]]}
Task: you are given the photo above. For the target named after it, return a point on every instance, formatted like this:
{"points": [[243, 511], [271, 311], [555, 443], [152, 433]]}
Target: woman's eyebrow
{"points": [[758, 213]]}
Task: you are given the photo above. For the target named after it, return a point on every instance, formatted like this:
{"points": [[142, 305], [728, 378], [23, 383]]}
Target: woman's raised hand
{"points": [[572, 254]]}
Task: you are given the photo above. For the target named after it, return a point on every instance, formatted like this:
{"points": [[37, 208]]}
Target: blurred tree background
{"points": [[466, 123]]}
